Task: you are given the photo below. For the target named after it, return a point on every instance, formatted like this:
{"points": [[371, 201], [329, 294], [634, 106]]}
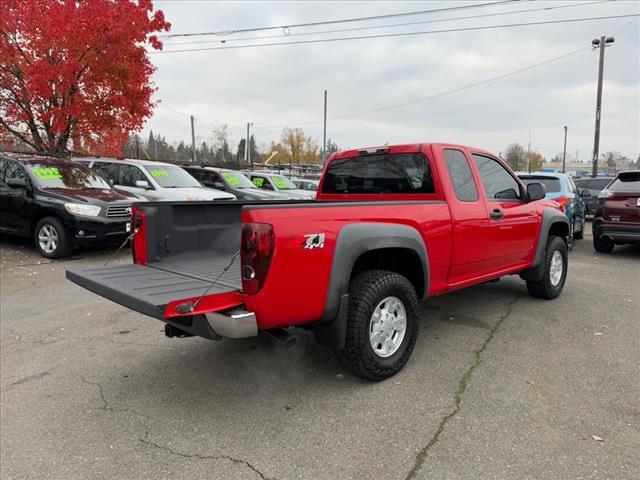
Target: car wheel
{"points": [[50, 238], [579, 234], [382, 325], [603, 244], [555, 270]]}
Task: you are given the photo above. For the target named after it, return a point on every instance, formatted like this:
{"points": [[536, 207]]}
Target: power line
{"points": [[162, 104], [329, 22], [402, 34], [437, 95], [393, 25]]}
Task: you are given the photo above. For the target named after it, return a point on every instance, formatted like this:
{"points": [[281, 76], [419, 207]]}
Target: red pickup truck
{"points": [[390, 226]]}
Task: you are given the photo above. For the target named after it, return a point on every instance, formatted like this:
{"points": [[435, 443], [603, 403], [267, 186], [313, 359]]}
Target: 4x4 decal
{"points": [[314, 240]]}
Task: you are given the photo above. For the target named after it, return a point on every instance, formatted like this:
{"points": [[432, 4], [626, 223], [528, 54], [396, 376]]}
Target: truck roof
{"points": [[401, 148]]}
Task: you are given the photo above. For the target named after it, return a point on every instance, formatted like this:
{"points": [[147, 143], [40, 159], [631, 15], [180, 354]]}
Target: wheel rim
{"points": [[557, 266], [387, 327], [48, 238]]}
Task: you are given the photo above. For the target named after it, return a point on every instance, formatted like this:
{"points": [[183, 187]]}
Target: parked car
{"points": [[589, 188], [275, 182], [60, 204], [391, 225], [155, 181], [561, 188], [616, 220], [306, 184], [231, 181]]}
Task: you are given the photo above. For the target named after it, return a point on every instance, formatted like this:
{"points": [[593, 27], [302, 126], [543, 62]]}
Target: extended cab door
{"points": [[513, 222], [469, 218]]}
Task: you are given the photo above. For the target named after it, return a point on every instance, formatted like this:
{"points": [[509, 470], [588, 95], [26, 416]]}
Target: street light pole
{"points": [[564, 152], [600, 43], [193, 141], [247, 150]]}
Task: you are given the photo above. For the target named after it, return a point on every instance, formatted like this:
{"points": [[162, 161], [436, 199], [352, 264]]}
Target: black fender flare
{"points": [[353, 241], [550, 217]]}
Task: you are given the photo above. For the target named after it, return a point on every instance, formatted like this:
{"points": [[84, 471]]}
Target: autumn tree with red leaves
{"points": [[75, 75]]}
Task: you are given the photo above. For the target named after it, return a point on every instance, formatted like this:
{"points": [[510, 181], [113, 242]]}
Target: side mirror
{"points": [[17, 183], [218, 185], [142, 184], [536, 191], [585, 193]]}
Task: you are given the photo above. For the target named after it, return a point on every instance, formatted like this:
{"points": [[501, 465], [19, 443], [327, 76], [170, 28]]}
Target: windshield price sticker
{"points": [[159, 173], [231, 178], [280, 183], [258, 181], [50, 173]]}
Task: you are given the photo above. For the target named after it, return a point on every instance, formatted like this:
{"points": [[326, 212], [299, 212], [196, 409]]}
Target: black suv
{"points": [[60, 204]]}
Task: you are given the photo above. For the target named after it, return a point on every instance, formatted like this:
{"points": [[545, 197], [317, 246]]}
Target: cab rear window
{"points": [[404, 173]]}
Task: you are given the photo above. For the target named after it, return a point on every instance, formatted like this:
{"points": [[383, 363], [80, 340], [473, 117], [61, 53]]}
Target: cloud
{"points": [[284, 85]]}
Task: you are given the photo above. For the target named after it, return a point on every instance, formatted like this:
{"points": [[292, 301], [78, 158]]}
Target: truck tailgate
{"points": [[148, 289]]}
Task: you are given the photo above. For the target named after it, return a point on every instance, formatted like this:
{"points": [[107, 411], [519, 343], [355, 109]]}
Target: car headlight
{"points": [[82, 209]]}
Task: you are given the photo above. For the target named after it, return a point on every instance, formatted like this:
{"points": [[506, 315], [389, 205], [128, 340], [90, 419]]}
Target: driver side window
{"points": [[498, 183]]}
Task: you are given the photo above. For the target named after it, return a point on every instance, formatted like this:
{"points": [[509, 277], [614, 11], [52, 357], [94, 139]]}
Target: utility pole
{"points": [[600, 43], [564, 152], [247, 150], [324, 134], [193, 141]]}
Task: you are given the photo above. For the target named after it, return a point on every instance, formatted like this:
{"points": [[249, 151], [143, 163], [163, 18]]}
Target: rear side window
{"points": [[129, 175], [108, 171], [401, 173], [626, 182], [552, 183], [497, 181], [461, 176]]}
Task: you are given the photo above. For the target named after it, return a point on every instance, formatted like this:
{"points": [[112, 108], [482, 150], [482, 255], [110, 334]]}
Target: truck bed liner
{"points": [[148, 289]]}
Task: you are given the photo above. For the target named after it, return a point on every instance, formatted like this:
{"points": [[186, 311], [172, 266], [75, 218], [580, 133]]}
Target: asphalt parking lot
{"points": [[500, 385]]}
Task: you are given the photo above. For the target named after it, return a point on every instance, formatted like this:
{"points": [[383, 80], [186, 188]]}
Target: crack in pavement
{"points": [[147, 431], [239, 461], [457, 394]]}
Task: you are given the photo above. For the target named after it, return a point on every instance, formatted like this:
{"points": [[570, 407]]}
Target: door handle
{"points": [[496, 214]]}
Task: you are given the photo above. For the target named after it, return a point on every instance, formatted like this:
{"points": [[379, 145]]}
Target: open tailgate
{"points": [[146, 289]]}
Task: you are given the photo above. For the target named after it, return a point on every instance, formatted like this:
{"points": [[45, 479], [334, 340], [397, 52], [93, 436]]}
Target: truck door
{"points": [[468, 218], [513, 222]]}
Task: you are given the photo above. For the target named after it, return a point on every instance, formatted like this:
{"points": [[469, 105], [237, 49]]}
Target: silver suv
{"points": [[152, 180]]}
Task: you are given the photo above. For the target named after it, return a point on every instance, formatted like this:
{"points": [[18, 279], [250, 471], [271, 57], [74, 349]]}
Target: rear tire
{"points": [[377, 301], [50, 238], [603, 244], [555, 270]]}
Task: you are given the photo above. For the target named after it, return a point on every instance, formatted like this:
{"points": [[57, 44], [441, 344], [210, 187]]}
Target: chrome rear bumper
{"points": [[233, 324]]}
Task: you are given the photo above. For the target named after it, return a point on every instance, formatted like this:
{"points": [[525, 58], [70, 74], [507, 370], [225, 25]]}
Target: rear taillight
{"points": [[139, 241], [256, 251], [563, 201], [603, 195]]}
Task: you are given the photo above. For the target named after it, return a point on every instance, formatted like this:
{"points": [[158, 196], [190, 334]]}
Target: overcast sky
{"points": [[283, 85]]}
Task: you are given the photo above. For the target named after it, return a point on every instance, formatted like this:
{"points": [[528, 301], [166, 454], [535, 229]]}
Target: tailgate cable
{"points": [[190, 307], [133, 234]]}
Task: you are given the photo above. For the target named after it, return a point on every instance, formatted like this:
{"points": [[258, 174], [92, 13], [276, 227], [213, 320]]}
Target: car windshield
{"points": [[169, 176], [626, 182], [552, 183], [70, 177], [236, 179], [283, 183]]}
